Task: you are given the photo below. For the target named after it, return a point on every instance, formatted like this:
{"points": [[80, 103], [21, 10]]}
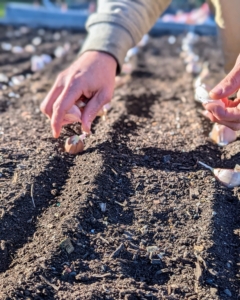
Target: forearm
{"points": [[119, 25]]}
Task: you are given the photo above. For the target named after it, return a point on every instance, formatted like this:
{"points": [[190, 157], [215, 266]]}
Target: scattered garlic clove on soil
{"points": [[72, 116], [222, 135], [74, 144], [228, 177]]}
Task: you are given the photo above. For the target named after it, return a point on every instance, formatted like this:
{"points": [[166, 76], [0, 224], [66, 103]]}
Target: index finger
{"points": [[47, 104], [64, 102]]}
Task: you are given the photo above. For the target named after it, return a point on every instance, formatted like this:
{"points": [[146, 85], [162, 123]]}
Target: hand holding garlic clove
{"points": [[228, 177], [202, 95]]}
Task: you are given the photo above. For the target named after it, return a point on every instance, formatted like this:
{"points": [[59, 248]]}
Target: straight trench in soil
{"points": [[141, 162]]}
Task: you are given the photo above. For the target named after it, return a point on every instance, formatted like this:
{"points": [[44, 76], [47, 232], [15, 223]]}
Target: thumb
{"points": [[92, 108], [229, 85]]}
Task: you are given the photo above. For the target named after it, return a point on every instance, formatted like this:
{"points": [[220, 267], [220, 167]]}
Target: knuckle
{"points": [[60, 78], [57, 108]]}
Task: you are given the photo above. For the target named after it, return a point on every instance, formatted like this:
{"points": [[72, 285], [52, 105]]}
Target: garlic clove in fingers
{"points": [[74, 144], [228, 177], [222, 135], [72, 116], [80, 104], [202, 95]]}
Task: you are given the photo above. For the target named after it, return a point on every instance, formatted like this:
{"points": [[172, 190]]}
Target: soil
{"points": [[169, 230]]}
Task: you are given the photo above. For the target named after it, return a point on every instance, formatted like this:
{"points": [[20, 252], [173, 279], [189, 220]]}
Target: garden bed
{"points": [[141, 162]]}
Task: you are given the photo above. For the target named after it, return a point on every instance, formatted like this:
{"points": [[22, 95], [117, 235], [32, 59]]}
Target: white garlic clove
{"points": [[80, 104], [72, 116], [222, 135], [74, 144], [202, 95], [228, 177]]}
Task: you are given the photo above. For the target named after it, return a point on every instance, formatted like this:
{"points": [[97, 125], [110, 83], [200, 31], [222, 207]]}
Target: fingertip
{"points": [[55, 128], [86, 127], [216, 93], [55, 133]]}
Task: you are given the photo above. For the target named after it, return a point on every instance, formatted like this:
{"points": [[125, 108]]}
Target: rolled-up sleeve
{"points": [[119, 25]]}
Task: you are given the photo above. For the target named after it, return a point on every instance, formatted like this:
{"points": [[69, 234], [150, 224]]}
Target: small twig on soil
{"points": [[117, 251], [48, 282], [32, 187], [101, 275], [121, 204], [104, 240]]}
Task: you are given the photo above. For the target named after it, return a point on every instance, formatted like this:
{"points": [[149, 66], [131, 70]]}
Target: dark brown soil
{"points": [[140, 162]]}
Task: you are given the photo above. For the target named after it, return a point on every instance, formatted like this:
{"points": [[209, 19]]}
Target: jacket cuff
{"points": [[109, 38]]}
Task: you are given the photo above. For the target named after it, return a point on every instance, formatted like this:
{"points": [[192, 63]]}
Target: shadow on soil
{"points": [[18, 224]]}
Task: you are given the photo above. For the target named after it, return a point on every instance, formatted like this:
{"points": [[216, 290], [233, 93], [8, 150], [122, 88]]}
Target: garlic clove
{"points": [[222, 135], [202, 95], [74, 144], [72, 116], [228, 177], [80, 103]]}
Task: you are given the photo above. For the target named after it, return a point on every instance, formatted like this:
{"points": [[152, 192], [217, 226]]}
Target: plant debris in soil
{"points": [[134, 216]]}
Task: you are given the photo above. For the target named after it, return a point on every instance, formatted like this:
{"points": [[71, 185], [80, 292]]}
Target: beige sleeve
{"points": [[228, 21], [119, 25]]}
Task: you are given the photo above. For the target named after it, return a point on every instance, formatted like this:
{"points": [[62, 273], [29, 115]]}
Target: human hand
{"points": [[229, 114], [92, 75]]}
